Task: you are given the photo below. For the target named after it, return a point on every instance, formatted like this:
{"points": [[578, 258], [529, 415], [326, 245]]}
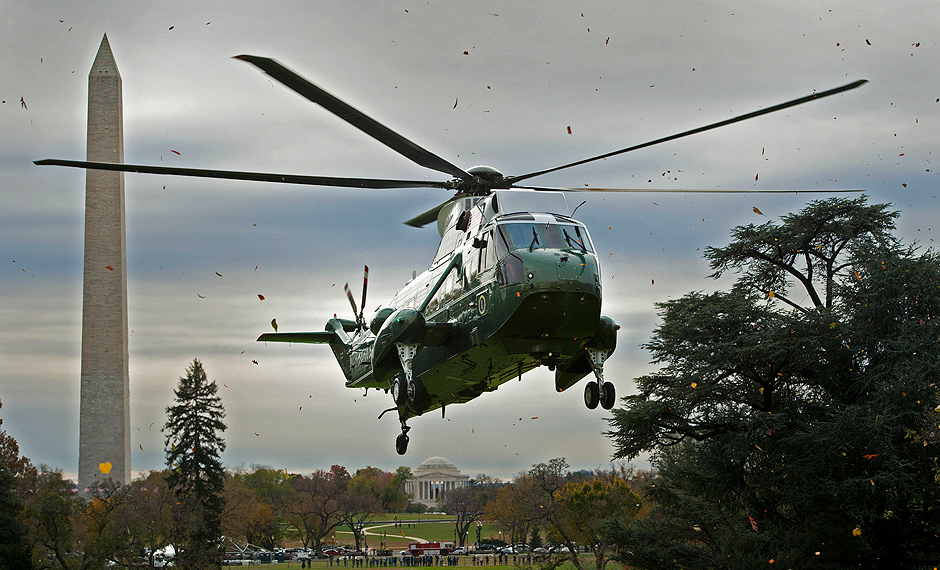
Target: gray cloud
{"points": [[530, 73]]}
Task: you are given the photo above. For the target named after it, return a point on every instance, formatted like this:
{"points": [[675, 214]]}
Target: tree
{"points": [[541, 487], [386, 487], [193, 449], [103, 539], [14, 552], [315, 504], [512, 509], [14, 548], [356, 511], [147, 515], [587, 508], [248, 515], [789, 431], [49, 515], [467, 504]]}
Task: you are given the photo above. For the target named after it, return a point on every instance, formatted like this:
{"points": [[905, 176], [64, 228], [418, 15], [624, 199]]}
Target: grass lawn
{"points": [[398, 538], [464, 561]]}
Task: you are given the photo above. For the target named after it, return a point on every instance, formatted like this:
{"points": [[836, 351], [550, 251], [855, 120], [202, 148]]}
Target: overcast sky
{"points": [[494, 83]]}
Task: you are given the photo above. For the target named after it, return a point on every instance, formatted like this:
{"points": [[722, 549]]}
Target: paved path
{"points": [[370, 528]]}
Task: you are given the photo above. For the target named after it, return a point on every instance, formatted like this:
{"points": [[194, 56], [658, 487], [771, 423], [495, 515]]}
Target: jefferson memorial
{"points": [[433, 479]]}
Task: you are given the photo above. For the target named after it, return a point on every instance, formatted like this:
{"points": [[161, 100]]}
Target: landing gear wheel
{"points": [[591, 395], [608, 395], [401, 444], [416, 392], [399, 390]]}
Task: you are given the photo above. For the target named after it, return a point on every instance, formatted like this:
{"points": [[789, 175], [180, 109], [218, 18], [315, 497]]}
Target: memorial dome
{"points": [[437, 463]]}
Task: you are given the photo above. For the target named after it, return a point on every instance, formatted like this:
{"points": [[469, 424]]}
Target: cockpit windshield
{"points": [[546, 235]]}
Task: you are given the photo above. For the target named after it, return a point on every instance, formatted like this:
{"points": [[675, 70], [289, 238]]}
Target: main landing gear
{"points": [[406, 391], [599, 392]]}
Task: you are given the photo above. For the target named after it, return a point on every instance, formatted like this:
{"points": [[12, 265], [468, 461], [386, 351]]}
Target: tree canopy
{"points": [[803, 432]]}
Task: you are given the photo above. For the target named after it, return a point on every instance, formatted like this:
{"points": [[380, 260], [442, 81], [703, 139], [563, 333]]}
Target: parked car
{"points": [[459, 550]]}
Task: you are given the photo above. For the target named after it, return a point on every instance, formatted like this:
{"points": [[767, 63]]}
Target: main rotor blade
{"points": [[690, 191], [373, 183], [800, 101], [428, 216], [355, 117]]}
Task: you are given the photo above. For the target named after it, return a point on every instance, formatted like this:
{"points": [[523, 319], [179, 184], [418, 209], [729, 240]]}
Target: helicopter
{"points": [[515, 282]]}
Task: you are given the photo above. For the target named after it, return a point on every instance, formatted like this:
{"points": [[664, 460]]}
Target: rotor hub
{"points": [[485, 178]]}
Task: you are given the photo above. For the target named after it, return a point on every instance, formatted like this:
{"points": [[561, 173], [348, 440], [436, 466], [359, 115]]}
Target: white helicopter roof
{"points": [[512, 201]]}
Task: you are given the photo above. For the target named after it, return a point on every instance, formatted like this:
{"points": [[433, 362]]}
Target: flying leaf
{"points": [[274, 324], [870, 455], [257, 434], [771, 294], [219, 274], [105, 467], [857, 531], [455, 102], [254, 362], [569, 129], [200, 296], [109, 268], [260, 296], [175, 152], [756, 175], [756, 211]]}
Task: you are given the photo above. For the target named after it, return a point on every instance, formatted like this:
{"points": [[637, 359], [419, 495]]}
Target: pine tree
{"points": [[193, 449]]}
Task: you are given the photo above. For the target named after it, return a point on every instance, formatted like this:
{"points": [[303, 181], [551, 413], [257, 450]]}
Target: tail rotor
{"points": [[360, 313]]}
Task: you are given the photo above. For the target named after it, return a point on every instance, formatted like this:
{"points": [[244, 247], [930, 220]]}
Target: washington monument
{"points": [[104, 442]]}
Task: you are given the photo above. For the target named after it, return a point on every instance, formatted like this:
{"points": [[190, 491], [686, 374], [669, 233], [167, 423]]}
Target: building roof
{"points": [[437, 463]]}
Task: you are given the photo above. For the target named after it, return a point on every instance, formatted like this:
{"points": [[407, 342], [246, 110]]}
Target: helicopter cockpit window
{"points": [[547, 235], [576, 237], [523, 235]]}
